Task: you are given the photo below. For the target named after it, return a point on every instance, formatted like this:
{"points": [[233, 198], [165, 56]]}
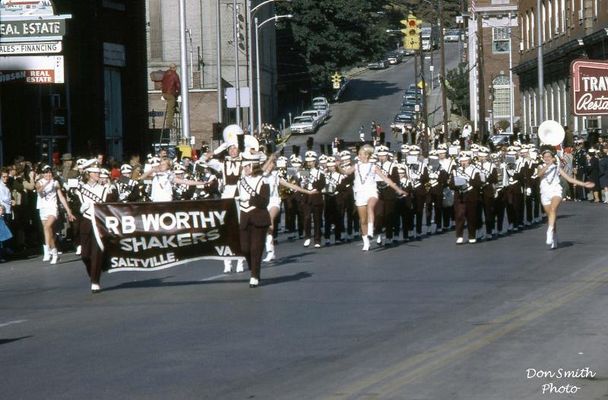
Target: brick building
{"points": [[202, 44], [571, 29], [493, 42]]}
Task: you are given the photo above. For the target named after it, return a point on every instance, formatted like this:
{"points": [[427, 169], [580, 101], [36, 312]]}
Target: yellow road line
{"points": [[414, 367]]}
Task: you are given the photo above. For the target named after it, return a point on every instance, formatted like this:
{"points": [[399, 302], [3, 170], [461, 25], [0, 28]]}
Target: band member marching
{"points": [[254, 195], [128, 188], [49, 191], [334, 211], [91, 192], [366, 190], [551, 191], [489, 176], [466, 183], [312, 179], [275, 181], [419, 177], [386, 206]]}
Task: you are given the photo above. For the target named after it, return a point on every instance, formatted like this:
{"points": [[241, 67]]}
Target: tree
{"points": [[457, 88], [333, 34]]}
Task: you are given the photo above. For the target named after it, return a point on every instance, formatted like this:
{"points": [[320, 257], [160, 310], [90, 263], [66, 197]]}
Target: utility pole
{"points": [[237, 78], [481, 89], [424, 144], [540, 66], [218, 39], [185, 108], [444, 103]]}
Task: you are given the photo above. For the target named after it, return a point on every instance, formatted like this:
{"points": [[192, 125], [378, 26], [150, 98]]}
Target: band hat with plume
{"points": [[91, 166], [310, 156], [249, 159], [126, 168], [382, 150]]}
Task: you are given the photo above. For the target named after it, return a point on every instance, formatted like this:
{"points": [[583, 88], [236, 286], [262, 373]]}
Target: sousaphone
{"points": [[551, 132]]}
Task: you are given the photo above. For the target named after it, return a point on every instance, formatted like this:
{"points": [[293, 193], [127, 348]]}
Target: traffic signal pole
{"points": [[444, 103]]}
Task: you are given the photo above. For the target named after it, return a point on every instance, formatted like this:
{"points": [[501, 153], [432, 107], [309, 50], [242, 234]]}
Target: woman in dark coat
{"points": [[593, 174], [603, 165]]}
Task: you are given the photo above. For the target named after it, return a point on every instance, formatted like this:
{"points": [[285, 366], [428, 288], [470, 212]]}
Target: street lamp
{"points": [[250, 12], [257, 61]]}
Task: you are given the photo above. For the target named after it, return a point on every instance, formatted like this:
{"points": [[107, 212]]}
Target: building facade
{"points": [[570, 30], [102, 104], [203, 39], [493, 43]]}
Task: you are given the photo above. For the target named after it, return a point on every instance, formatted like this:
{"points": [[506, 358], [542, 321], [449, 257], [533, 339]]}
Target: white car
{"points": [[304, 124], [316, 114], [323, 109], [320, 100]]}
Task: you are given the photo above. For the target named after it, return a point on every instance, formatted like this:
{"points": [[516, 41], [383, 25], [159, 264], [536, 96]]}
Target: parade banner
{"points": [[590, 87], [153, 236]]}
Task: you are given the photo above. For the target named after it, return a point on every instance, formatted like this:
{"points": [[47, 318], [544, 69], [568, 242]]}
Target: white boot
{"points": [[239, 265], [54, 256], [365, 243], [78, 250], [379, 240], [554, 242], [549, 235], [47, 253], [227, 266], [269, 249], [370, 229]]}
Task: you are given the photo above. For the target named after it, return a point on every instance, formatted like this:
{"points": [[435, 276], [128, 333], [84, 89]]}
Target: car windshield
{"points": [[302, 119], [320, 106]]}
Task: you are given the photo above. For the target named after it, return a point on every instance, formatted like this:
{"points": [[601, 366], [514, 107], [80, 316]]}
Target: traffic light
{"points": [[240, 29], [336, 80], [411, 32]]}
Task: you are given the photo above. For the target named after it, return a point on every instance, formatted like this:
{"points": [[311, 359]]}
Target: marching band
{"points": [[391, 194]]}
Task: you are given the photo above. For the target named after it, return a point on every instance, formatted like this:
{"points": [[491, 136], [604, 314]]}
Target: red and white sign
{"points": [[590, 87], [32, 69]]}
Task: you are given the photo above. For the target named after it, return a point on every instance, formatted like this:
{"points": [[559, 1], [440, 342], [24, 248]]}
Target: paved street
{"points": [[377, 96], [425, 320]]}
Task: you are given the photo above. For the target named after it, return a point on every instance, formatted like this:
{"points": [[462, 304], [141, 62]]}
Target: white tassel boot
{"points": [[365, 243], [47, 253], [54, 256], [269, 249], [239, 265], [227, 266], [549, 235]]}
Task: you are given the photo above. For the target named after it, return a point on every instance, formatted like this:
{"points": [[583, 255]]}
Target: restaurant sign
{"points": [[590, 87]]}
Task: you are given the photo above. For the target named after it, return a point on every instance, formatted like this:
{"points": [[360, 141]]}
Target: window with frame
{"points": [[500, 40], [502, 96]]}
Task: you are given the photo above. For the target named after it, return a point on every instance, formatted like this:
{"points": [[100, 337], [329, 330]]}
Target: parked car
{"points": [[320, 100], [304, 124], [394, 58], [315, 114], [452, 35], [411, 98], [380, 64], [324, 109], [501, 139], [408, 108], [402, 120]]}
